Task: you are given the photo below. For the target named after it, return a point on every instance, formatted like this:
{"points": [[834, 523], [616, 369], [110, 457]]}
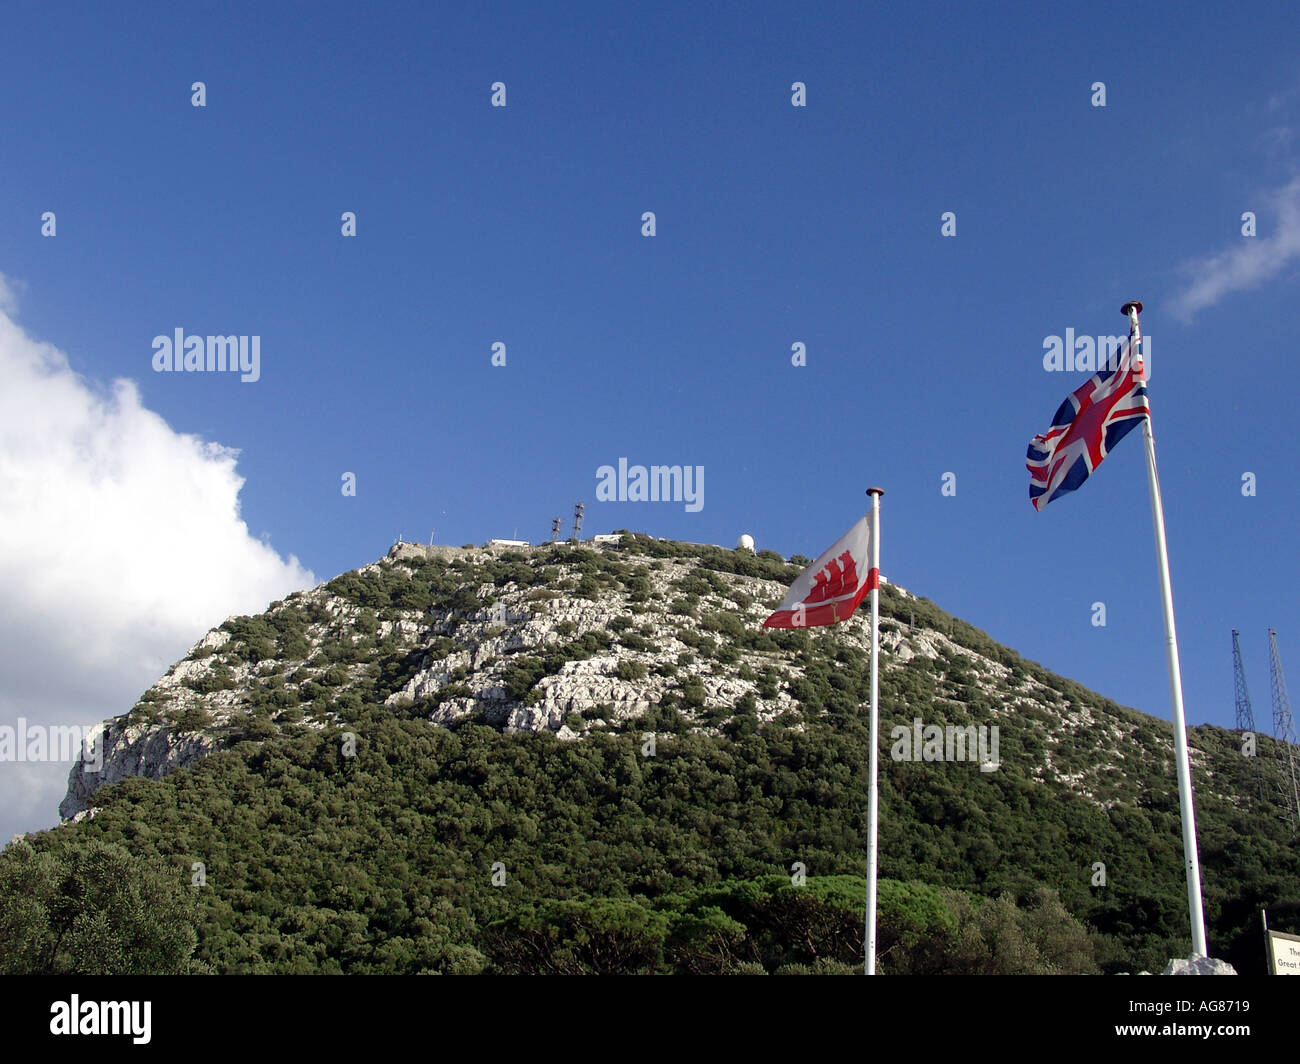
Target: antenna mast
{"points": [[1245, 715], [1284, 732]]}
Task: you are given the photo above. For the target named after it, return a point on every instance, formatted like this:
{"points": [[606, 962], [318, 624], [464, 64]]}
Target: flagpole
{"points": [[872, 795], [1190, 857]]}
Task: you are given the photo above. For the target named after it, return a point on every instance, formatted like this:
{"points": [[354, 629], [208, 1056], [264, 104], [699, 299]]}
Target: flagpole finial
{"points": [[875, 491], [1130, 306]]}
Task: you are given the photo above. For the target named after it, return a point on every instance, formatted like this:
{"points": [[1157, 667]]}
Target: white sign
{"points": [[1284, 952]]}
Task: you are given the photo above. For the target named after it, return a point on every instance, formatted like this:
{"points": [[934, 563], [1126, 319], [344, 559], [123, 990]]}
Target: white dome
{"points": [[745, 543]]}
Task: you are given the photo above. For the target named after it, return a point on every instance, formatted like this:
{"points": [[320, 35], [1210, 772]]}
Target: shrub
{"points": [[144, 713], [294, 645], [194, 719], [258, 729], [631, 670], [219, 678], [334, 676], [450, 691], [727, 624]]}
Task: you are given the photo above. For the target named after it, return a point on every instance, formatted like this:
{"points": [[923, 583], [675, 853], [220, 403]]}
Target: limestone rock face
{"points": [[569, 640], [129, 750], [1198, 965]]}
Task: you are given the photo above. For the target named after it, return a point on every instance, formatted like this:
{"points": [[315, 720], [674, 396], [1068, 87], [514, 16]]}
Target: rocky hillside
{"points": [[611, 649], [564, 639]]}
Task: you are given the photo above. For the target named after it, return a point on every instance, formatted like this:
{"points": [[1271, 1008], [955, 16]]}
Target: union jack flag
{"points": [[1089, 423]]}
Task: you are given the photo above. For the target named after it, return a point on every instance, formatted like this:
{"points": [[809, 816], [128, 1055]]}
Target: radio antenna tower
{"points": [[1254, 780], [555, 528], [1284, 732], [1245, 715], [578, 510]]}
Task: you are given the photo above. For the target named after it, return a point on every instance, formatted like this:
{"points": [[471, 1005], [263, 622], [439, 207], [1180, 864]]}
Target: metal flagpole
{"points": [[872, 797], [1175, 673]]}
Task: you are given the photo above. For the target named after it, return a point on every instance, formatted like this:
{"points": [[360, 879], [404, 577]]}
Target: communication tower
{"points": [[1245, 715], [1284, 733]]}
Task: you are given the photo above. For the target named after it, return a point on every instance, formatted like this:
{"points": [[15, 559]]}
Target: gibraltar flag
{"points": [[831, 588]]}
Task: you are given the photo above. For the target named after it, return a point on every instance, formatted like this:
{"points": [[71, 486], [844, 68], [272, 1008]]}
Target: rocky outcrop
{"points": [[1198, 965], [619, 633], [130, 750]]}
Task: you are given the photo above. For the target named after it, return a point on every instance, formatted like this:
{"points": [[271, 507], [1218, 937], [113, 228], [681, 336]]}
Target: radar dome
{"points": [[745, 543]]}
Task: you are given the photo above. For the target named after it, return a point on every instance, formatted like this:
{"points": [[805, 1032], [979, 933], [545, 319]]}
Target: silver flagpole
{"points": [[1175, 672], [872, 797]]}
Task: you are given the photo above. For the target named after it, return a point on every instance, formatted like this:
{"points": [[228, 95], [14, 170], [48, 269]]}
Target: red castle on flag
{"points": [[831, 582], [830, 589]]}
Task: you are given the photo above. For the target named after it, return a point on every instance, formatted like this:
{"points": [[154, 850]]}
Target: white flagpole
{"points": [[1190, 857], [872, 799]]}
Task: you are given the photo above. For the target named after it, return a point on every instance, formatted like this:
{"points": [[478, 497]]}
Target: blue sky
{"points": [[775, 225]]}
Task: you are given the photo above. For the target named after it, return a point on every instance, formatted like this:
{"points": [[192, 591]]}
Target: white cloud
{"points": [[120, 545], [8, 294], [1249, 261]]}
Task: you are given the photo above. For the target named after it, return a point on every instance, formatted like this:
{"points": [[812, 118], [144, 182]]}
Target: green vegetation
{"points": [[80, 907], [629, 669], [382, 862], [616, 860]]}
